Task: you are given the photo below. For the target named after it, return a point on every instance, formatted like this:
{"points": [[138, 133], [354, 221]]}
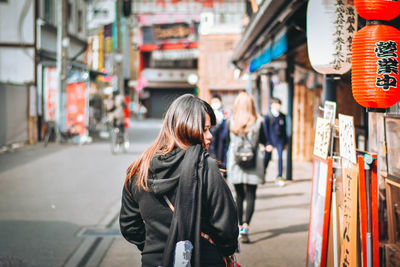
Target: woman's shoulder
{"points": [[212, 163], [214, 173]]}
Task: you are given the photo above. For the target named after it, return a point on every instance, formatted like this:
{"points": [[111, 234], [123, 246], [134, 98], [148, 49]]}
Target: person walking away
{"points": [[275, 129], [245, 131], [176, 173], [115, 108], [219, 142]]}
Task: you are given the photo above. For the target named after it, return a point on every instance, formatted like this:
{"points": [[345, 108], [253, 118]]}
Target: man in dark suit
{"points": [[220, 141], [275, 132]]}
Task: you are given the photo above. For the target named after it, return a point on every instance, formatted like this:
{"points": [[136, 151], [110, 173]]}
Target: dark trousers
{"points": [[268, 155], [245, 192]]}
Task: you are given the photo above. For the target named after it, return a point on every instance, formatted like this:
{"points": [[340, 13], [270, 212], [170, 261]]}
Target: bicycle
{"points": [[51, 133], [48, 132]]}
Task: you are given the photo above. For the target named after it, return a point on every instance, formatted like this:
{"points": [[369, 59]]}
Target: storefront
{"points": [[74, 101], [273, 51], [354, 218], [168, 59]]}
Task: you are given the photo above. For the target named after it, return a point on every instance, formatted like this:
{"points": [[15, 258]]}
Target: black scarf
{"points": [[185, 223]]}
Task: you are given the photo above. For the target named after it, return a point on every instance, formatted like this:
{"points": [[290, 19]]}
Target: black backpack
{"points": [[245, 153]]}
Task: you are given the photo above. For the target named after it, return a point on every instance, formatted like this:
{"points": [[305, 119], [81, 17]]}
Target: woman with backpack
{"points": [[245, 165], [175, 192]]}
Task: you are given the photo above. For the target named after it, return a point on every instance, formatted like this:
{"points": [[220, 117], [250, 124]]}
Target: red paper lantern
{"points": [[375, 71], [378, 9]]}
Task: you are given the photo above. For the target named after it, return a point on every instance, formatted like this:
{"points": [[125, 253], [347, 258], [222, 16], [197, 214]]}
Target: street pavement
{"points": [[59, 206]]}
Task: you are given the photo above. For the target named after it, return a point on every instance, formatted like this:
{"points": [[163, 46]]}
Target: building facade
{"points": [[28, 75]]}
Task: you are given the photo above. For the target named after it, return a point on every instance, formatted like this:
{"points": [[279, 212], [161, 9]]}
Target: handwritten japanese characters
{"points": [[330, 111], [345, 27], [349, 225], [322, 138], [347, 138]]}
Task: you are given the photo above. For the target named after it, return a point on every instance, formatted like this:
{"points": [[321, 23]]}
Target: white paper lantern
{"points": [[331, 26]]}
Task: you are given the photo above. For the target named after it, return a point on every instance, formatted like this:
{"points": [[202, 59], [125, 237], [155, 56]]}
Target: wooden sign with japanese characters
{"points": [[322, 138], [349, 225], [347, 138]]}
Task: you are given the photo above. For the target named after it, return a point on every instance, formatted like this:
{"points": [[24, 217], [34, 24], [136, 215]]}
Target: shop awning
{"points": [[273, 50], [262, 36]]}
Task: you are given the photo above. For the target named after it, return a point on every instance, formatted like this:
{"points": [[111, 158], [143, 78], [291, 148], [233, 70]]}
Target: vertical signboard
{"points": [[76, 107], [349, 229], [319, 213], [50, 93]]}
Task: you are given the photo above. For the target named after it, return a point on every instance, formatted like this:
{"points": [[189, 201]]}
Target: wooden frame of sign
{"points": [[374, 218], [319, 212]]}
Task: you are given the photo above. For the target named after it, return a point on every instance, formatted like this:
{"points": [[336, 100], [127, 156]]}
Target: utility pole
{"points": [[119, 66], [62, 54]]}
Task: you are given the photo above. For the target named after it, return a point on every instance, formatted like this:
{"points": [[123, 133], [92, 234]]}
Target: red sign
{"points": [[76, 107]]}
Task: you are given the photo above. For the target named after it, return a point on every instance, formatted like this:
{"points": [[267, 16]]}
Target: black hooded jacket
{"points": [[145, 217]]}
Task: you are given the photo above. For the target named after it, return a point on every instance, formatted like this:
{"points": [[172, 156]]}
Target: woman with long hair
{"points": [[245, 127], [174, 192]]}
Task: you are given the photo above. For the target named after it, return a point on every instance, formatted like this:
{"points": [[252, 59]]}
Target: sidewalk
{"points": [[278, 232]]}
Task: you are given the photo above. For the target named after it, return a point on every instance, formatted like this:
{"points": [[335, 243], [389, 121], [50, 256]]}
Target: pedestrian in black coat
{"points": [[275, 133], [177, 167], [220, 142]]}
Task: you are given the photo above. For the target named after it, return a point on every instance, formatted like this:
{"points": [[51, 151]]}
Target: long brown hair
{"points": [[244, 114], [183, 126]]}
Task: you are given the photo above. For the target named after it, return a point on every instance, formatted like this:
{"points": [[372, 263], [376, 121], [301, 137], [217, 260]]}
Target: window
{"points": [[49, 11], [69, 11], [80, 21]]}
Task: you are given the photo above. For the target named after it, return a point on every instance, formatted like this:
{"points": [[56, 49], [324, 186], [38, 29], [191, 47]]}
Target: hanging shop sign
{"points": [[378, 9], [331, 26], [274, 49], [375, 74], [171, 31], [175, 54], [190, 6], [167, 75]]}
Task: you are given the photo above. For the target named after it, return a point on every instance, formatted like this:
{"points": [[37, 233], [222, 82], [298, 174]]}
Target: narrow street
{"points": [[59, 207]]}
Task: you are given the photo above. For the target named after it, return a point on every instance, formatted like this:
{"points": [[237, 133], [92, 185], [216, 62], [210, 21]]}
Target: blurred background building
{"points": [[60, 60], [28, 60]]}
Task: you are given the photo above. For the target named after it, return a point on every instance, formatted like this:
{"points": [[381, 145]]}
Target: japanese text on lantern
{"points": [[343, 23], [387, 64]]}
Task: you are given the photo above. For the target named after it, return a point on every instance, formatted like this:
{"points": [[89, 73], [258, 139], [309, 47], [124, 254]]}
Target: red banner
{"points": [[76, 107]]}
